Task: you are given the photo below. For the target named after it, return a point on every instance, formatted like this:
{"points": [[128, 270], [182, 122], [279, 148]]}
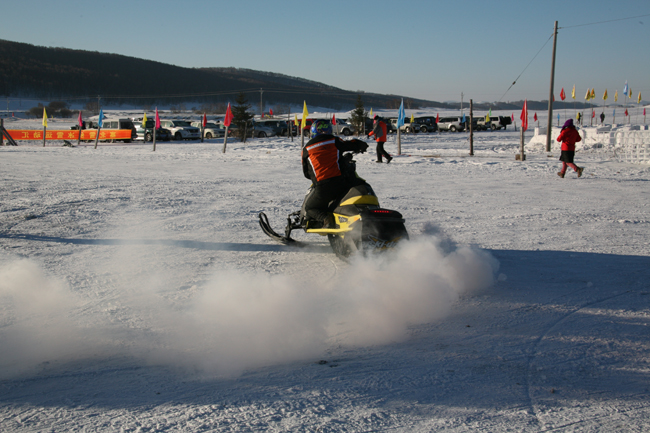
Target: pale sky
{"points": [[423, 49]]}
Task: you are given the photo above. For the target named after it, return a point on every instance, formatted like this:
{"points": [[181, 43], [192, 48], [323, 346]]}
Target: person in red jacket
{"points": [[323, 165], [569, 136], [379, 131]]}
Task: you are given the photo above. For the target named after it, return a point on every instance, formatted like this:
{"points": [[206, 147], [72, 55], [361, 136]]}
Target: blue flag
{"points": [[400, 115], [625, 88], [463, 117], [100, 123]]}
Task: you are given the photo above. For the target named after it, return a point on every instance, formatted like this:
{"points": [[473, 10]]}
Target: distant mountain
{"points": [[74, 75]]}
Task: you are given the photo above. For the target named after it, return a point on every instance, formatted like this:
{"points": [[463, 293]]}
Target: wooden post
{"points": [[225, 140], [550, 94], [99, 128], [521, 151], [471, 127], [154, 134], [44, 132], [2, 132], [79, 137], [399, 140]]}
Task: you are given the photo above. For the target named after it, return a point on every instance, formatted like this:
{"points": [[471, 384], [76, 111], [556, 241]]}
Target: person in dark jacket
{"points": [[379, 130], [569, 136], [322, 163]]}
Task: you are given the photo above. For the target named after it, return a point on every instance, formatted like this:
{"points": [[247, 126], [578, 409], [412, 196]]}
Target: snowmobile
{"points": [[362, 225]]}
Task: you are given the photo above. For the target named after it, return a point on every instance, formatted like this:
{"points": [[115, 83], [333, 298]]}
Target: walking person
{"points": [[569, 136], [379, 130]]}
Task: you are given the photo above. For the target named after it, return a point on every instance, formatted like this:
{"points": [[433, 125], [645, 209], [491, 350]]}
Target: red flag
{"points": [[271, 112], [562, 94], [593, 114], [205, 120], [262, 115], [512, 117], [626, 111], [535, 118], [524, 116], [437, 118], [80, 121], [333, 119], [228, 119]]}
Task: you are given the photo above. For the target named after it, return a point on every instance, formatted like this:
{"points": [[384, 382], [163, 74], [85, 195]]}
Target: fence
{"points": [[633, 146]]}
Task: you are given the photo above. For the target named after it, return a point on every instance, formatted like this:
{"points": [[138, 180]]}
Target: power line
{"points": [[602, 22], [531, 61]]}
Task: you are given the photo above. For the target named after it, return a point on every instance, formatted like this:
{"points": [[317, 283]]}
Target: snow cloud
{"points": [[238, 321]]}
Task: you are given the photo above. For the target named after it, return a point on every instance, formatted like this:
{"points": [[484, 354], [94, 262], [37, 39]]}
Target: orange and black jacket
{"points": [[321, 157]]}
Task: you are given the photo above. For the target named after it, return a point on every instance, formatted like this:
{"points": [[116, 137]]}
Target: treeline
{"points": [[63, 74]]}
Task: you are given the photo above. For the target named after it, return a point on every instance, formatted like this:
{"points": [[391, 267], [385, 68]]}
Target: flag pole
{"points": [[550, 93]]}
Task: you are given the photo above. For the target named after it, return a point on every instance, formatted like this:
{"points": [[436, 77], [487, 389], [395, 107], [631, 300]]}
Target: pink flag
{"points": [[228, 119], [81, 122], [524, 116], [157, 119], [205, 120]]}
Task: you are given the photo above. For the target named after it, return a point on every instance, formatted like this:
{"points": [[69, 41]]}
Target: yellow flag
{"points": [[593, 93], [588, 95], [295, 119], [605, 95], [630, 94], [305, 114], [638, 101], [44, 118], [412, 120], [573, 92], [144, 121], [370, 113], [616, 96]]}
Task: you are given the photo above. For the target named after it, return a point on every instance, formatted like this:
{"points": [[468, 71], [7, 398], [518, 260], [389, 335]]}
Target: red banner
{"points": [[69, 134]]}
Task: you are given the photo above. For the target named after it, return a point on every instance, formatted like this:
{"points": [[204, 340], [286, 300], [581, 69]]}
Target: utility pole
{"points": [[471, 127], [461, 104], [549, 125]]}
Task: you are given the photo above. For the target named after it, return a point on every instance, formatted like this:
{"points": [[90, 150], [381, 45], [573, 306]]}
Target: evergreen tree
{"points": [[241, 116], [358, 116]]}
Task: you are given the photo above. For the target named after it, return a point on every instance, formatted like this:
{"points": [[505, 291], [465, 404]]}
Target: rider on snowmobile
{"points": [[322, 163]]}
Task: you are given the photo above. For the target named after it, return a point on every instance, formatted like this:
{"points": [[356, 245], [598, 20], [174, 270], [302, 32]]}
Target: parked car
{"points": [[342, 128], [261, 129], [475, 124], [427, 123], [181, 129], [146, 132], [270, 127], [212, 130], [109, 124], [452, 124], [496, 122], [407, 126]]}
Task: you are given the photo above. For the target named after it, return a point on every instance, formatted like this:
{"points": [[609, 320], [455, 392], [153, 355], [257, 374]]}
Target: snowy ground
{"points": [[139, 294]]}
